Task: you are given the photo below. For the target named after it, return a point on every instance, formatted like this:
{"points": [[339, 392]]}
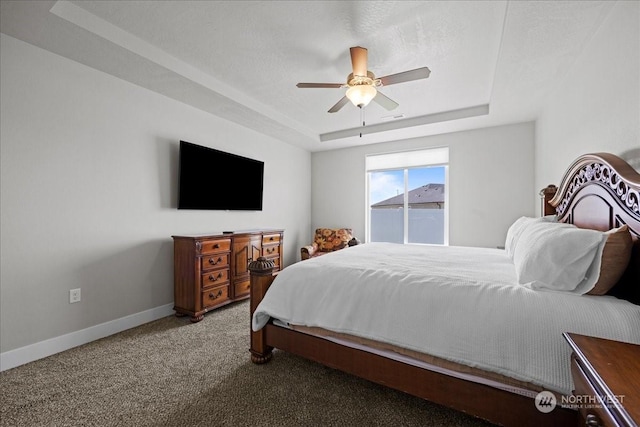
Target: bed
{"points": [[475, 329]]}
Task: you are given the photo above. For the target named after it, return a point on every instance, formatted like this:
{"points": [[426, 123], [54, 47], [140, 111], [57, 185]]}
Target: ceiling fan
{"points": [[362, 84]]}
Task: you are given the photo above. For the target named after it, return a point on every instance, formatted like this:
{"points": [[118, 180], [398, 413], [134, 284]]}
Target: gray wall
{"points": [[485, 167], [88, 198], [596, 107]]}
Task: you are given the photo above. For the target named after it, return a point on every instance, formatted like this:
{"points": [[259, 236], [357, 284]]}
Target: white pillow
{"points": [[558, 256], [516, 229]]}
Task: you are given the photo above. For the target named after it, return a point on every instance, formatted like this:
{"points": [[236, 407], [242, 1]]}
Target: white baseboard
{"points": [[20, 356]]}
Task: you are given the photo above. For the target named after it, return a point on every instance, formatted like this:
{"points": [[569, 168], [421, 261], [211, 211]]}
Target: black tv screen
{"points": [[215, 180]]}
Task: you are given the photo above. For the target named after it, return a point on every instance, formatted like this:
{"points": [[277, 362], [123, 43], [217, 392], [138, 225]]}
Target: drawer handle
{"points": [[213, 279], [592, 421], [216, 246], [214, 262], [271, 238], [270, 250], [215, 296]]}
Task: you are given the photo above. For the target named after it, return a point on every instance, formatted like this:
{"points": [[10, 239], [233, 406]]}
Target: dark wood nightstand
{"points": [[606, 377]]}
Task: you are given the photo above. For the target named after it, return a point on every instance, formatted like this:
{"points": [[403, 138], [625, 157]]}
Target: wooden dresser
{"points": [[211, 270], [606, 376]]}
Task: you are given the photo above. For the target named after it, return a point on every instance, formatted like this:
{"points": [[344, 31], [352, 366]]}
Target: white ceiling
{"points": [[491, 62]]}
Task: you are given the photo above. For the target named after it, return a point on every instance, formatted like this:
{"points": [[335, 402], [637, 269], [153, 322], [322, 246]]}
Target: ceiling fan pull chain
{"points": [[361, 118]]}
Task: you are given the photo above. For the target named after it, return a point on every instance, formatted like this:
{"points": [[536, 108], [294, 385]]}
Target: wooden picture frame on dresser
{"points": [[211, 270]]}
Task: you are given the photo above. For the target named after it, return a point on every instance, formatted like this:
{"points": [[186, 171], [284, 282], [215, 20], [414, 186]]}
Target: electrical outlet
{"points": [[74, 295]]}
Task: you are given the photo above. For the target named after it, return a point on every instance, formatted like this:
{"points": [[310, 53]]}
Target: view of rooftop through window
{"points": [[387, 184], [422, 191]]}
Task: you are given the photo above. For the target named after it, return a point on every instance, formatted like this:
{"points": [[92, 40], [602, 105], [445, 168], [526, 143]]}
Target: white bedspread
{"points": [[458, 303]]}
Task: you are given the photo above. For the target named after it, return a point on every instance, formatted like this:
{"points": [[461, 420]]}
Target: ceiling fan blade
{"points": [[407, 76], [344, 101], [359, 60], [385, 101], [320, 85]]}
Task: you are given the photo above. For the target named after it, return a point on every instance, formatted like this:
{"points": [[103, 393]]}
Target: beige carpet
{"points": [[174, 373]]}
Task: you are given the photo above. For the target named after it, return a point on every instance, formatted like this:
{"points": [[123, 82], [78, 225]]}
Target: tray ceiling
{"points": [[491, 62]]}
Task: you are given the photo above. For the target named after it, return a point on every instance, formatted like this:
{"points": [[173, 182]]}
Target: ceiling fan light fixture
{"points": [[361, 95], [362, 84]]}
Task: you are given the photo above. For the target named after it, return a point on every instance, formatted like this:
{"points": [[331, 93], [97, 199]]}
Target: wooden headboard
{"points": [[601, 191]]}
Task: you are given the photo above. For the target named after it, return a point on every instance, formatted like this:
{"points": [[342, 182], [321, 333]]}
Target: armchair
{"points": [[327, 240]]}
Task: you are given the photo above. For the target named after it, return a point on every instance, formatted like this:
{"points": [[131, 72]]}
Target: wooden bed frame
{"points": [[598, 191]]}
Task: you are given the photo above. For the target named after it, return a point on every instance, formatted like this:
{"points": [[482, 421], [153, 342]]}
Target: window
{"points": [[407, 197]]}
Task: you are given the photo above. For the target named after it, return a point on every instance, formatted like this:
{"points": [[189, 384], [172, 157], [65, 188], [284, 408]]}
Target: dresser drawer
{"points": [[214, 246], [214, 261], [270, 251], [589, 406], [270, 239], [276, 261], [215, 296], [215, 278]]}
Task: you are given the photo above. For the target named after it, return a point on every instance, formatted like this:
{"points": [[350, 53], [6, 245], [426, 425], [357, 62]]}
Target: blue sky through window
{"points": [[385, 184]]}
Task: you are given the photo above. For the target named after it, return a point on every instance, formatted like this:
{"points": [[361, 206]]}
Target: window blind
{"points": [[408, 159]]}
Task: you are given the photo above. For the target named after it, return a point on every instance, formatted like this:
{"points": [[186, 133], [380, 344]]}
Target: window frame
{"points": [[411, 159]]}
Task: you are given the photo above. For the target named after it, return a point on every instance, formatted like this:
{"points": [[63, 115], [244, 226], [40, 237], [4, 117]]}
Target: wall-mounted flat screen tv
{"points": [[211, 179]]}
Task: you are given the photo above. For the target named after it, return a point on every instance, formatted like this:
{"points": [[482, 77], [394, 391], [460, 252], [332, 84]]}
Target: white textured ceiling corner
{"points": [[491, 62]]}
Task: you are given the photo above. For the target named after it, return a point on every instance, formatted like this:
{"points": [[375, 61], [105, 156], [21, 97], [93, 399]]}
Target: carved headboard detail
{"points": [[601, 191], [605, 169]]}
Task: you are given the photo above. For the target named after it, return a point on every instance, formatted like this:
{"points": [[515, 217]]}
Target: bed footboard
{"points": [[262, 276]]}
